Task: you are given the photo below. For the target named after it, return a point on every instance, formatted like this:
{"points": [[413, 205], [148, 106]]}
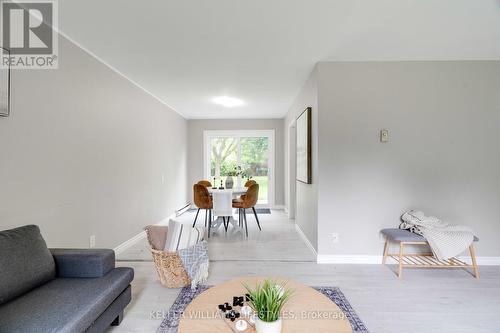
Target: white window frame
{"points": [[208, 134]]}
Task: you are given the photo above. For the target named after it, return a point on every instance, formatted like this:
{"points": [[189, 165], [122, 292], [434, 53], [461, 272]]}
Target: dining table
{"points": [[222, 199]]}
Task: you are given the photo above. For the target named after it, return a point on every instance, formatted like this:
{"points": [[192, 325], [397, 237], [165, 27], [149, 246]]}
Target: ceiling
{"points": [[187, 52]]}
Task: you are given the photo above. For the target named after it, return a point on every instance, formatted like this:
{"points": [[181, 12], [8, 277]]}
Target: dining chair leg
{"points": [[209, 221], [256, 218], [197, 212], [206, 218], [245, 219]]}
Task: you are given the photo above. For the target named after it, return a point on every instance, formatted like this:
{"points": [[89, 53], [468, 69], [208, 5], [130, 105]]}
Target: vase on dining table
{"points": [[229, 182]]}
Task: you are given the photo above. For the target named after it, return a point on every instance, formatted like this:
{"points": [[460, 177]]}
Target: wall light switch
{"points": [[384, 135]]}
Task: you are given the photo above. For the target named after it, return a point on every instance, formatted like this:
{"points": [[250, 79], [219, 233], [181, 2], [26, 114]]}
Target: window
{"points": [[250, 153]]}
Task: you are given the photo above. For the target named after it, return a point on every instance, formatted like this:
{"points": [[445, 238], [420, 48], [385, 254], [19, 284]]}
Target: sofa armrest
{"points": [[83, 263]]}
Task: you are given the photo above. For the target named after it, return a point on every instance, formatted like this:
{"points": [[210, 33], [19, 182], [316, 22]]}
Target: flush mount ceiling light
{"points": [[228, 102]]}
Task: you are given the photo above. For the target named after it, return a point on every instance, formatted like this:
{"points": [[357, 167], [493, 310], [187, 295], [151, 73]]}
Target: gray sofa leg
{"points": [[117, 320]]}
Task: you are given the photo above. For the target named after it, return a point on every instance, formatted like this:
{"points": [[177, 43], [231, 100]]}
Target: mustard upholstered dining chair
{"points": [[205, 183], [203, 200], [248, 200], [250, 182]]}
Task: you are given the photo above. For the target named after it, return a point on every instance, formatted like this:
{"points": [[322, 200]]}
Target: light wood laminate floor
{"points": [[278, 241], [425, 301]]}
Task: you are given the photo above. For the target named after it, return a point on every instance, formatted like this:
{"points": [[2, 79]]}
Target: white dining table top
{"points": [[236, 191]]}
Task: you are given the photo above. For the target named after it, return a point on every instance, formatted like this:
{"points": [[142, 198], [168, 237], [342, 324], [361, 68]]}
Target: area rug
{"points": [[171, 319], [259, 211]]}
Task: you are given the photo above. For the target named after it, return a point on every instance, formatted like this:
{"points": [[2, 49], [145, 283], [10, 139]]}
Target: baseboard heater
{"points": [[182, 210]]}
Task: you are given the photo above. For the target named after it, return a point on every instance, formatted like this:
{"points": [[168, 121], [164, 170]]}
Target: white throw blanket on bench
{"points": [[446, 240]]}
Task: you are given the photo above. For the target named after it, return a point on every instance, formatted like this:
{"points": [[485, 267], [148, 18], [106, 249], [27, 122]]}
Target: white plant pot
{"points": [[265, 327]]}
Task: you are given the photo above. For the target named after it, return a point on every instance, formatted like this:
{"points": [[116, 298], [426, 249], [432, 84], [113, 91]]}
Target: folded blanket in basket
{"points": [[182, 236], [192, 249], [195, 262], [445, 239]]}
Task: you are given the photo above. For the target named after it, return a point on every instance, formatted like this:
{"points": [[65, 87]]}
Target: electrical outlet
{"points": [[335, 237], [92, 241]]}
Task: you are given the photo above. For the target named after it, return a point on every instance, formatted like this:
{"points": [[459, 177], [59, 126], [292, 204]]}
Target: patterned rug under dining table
{"points": [[307, 311]]}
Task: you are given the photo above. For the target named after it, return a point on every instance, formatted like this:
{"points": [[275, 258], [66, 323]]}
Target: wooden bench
{"points": [[421, 260]]}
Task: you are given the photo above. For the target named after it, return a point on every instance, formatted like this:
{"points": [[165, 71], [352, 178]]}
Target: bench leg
{"points": [[400, 268], [472, 252], [386, 250]]}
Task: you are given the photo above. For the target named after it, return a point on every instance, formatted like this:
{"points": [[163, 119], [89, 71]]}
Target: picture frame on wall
{"points": [[4, 85], [304, 146]]}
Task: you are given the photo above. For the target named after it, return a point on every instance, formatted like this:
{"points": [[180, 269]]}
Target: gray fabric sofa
{"points": [[58, 290]]}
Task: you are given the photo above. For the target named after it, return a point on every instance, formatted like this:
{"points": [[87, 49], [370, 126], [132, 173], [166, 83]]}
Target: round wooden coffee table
{"points": [[307, 311]]}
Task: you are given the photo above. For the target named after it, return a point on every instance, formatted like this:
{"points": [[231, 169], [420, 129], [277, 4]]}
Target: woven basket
{"points": [[170, 269], [168, 266]]}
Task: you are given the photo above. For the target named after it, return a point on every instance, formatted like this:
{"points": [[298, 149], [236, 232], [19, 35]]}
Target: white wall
{"points": [[306, 209], [443, 156], [195, 146], [84, 151]]}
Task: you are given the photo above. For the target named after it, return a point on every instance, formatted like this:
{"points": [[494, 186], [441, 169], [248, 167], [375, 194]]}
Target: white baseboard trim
{"points": [[137, 238], [129, 242], [182, 209], [483, 261], [305, 239], [348, 259], [374, 259]]}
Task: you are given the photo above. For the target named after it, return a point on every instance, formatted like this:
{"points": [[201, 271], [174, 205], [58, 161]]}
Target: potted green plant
{"points": [[233, 173], [267, 300]]}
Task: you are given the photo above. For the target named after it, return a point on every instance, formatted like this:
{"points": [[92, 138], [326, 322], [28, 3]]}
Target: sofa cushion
{"points": [[403, 235], [64, 304], [25, 261]]}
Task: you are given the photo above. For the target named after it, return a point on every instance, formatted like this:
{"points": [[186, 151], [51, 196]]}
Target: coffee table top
{"points": [[308, 310]]}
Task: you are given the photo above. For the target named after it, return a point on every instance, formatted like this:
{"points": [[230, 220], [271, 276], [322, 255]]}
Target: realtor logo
{"points": [[28, 33]]}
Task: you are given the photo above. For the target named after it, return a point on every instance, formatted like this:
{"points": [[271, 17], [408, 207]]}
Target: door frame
{"points": [[292, 170], [270, 134]]}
